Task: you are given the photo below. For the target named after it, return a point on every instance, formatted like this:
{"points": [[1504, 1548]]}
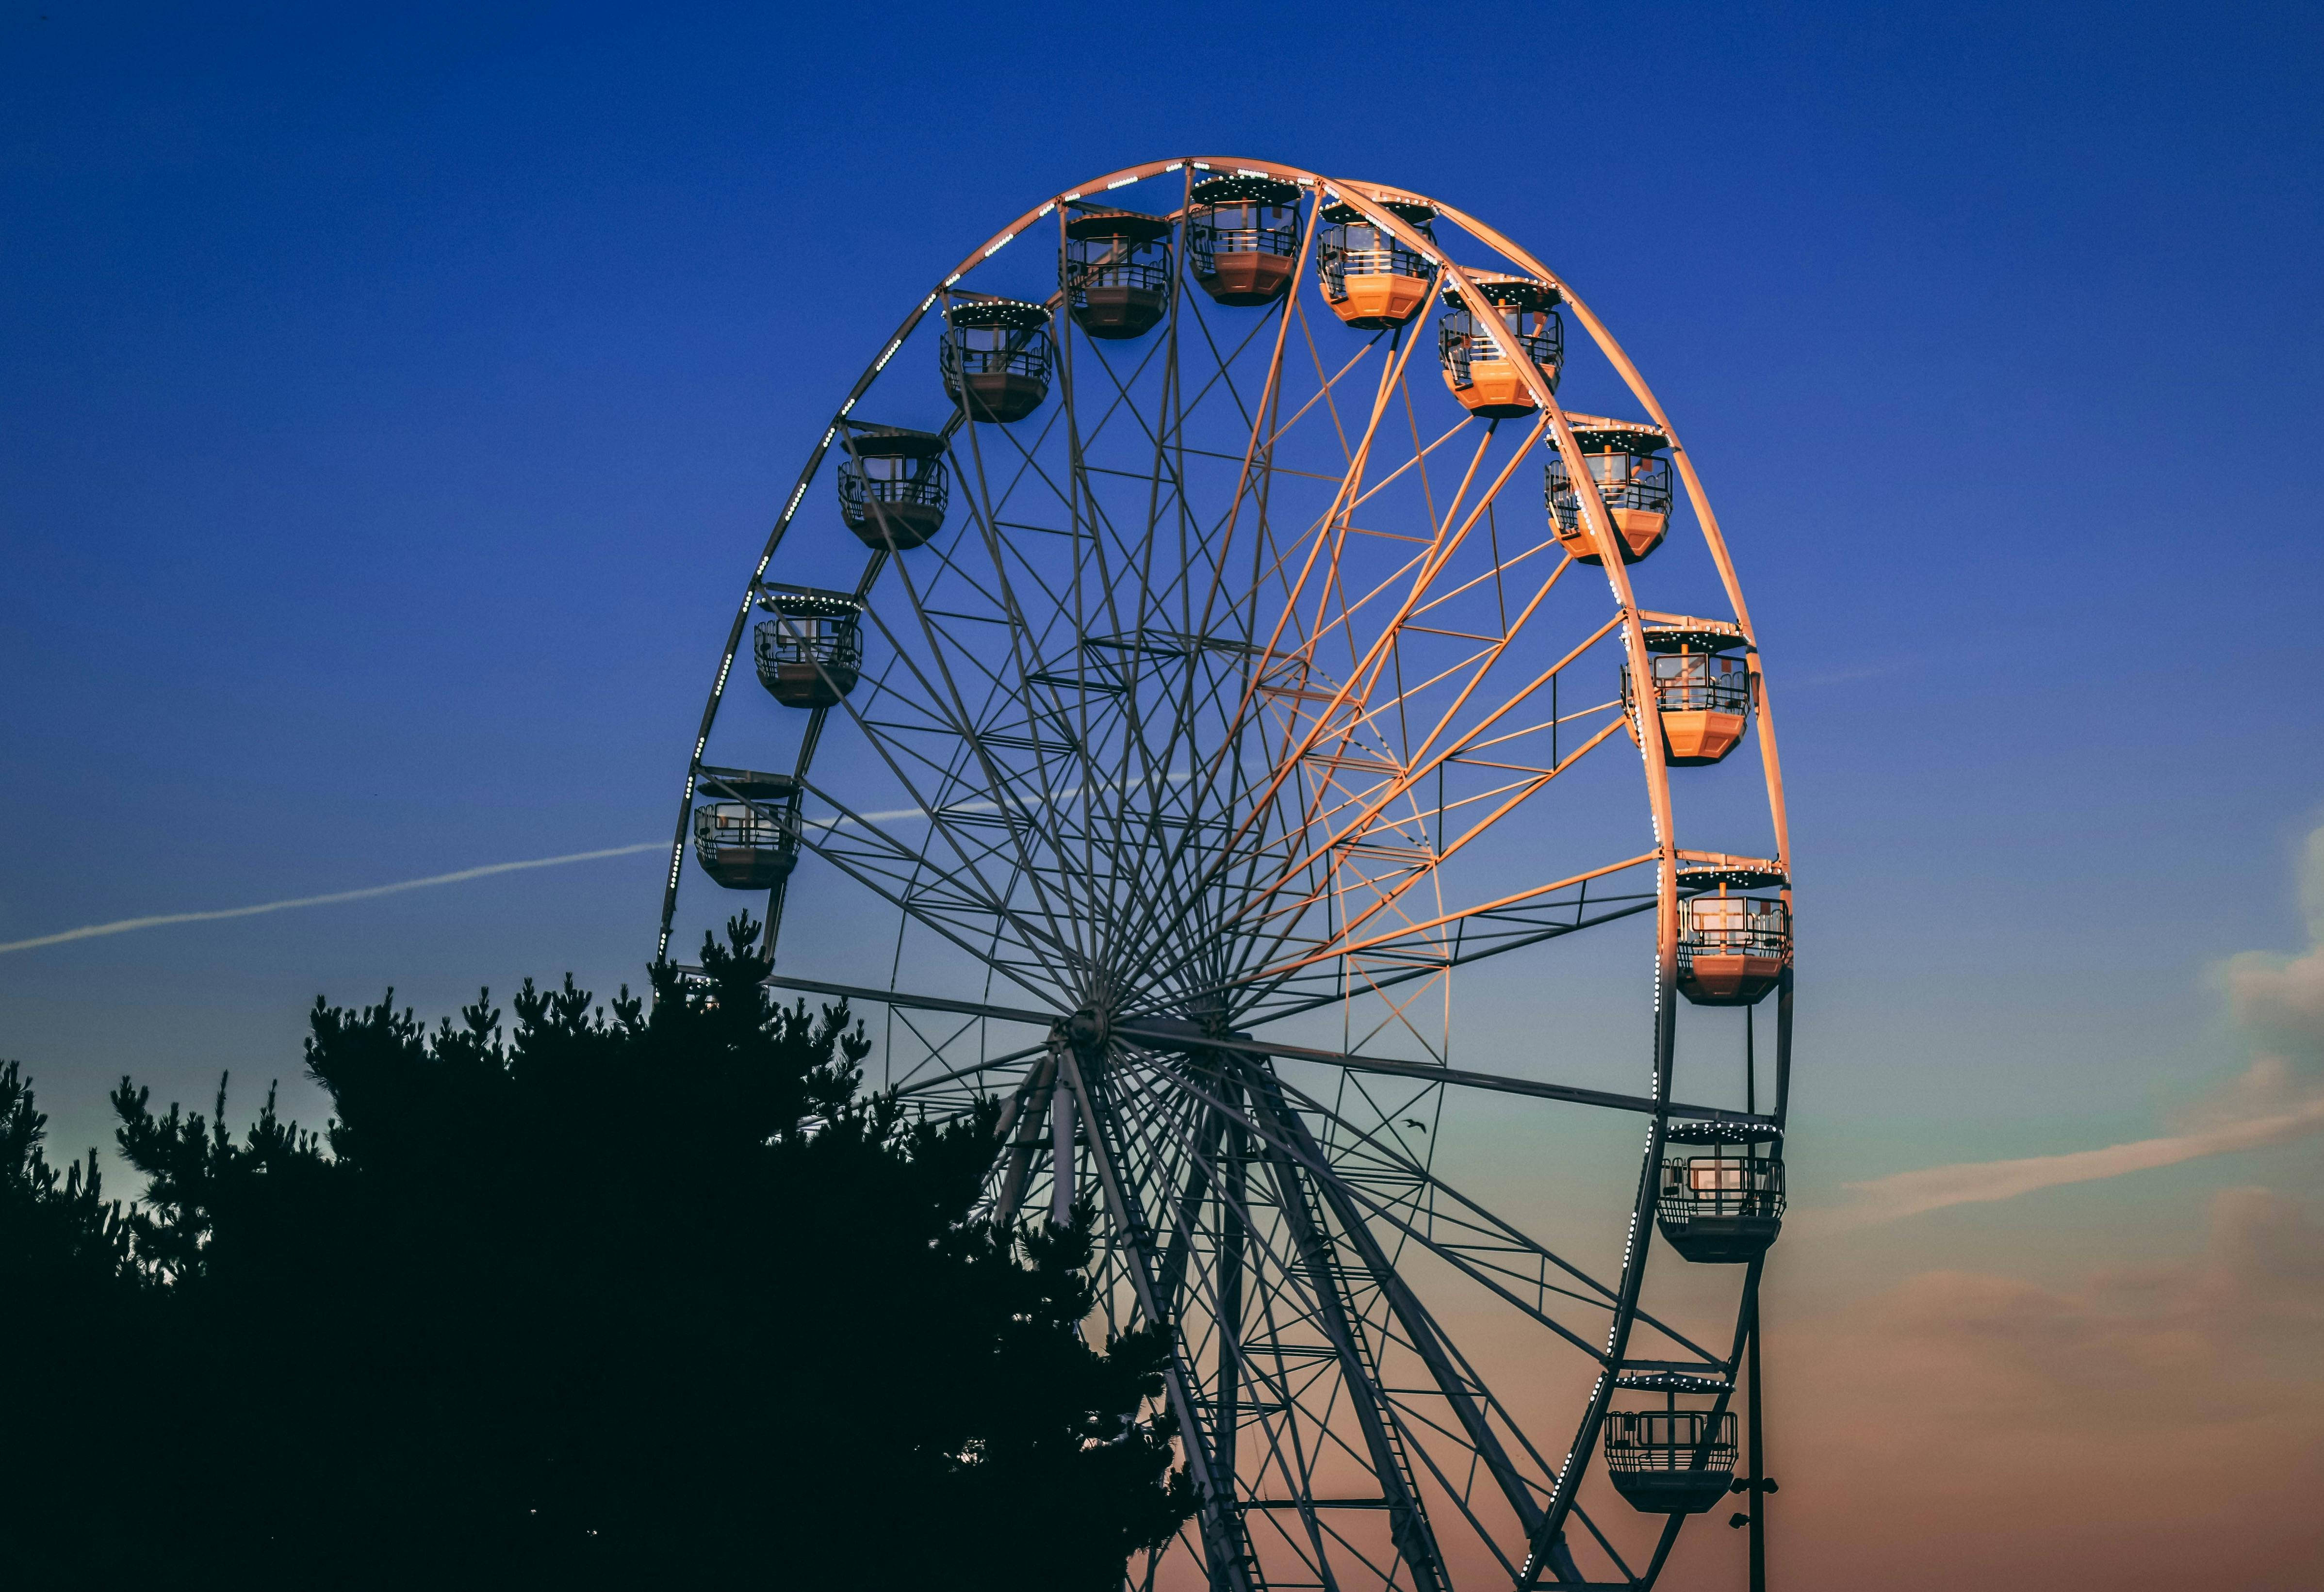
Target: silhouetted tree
{"points": [[613, 1297], [78, 1320]]}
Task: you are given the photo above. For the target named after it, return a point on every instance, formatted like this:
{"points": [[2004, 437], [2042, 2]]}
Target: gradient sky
{"points": [[389, 410]]}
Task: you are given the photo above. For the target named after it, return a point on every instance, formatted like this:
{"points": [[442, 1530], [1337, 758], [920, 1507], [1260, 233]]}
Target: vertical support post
{"points": [[1234, 1243], [1758, 1464], [1783, 1046], [1023, 1115], [1219, 1141], [1224, 1547], [774, 910], [1062, 1123]]}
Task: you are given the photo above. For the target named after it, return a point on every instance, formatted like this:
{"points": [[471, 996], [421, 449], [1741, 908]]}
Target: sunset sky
{"points": [[389, 413]]}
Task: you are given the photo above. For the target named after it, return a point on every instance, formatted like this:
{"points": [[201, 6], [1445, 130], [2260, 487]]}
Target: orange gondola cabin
{"points": [[1623, 461], [1242, 238], [1371, 279], [1732, 949], [1480, 347], [1702, 689]]}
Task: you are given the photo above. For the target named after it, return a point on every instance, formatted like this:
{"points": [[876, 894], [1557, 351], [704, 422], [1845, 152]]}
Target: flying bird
{"points": [[1416, 1122]]}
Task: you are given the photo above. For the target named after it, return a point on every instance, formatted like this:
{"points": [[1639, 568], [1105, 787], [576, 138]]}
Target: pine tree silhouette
{"points": [[621, 1295]]}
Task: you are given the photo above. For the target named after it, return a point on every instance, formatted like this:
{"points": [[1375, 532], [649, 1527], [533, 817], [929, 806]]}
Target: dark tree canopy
{"points": [[605, 1298]]}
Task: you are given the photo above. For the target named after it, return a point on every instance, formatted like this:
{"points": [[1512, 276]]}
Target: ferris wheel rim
{"points": [[1630, 617], [1348, 190]]}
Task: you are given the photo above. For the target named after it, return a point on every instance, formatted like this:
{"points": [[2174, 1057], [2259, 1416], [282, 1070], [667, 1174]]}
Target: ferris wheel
{"points": [[1201, 646]]}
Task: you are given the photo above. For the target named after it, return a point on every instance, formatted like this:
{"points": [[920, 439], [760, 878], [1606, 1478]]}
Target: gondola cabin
{"points": [[1480, 347], [1732, 949], [1117, 271], [1721, 1199], [746, 827], [1242, 238], [1623, 461], [995, 357], [1670, 1461], [892, 486], [1702, 688], [811, 652], [1371, 279]]}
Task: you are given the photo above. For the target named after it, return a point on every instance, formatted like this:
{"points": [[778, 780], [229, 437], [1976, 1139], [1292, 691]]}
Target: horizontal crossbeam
{"points": [[1164, 1034], [931, 1003]]}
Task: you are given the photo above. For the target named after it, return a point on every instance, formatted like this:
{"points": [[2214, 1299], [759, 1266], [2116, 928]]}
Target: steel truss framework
{"points": [[1247, 697]]}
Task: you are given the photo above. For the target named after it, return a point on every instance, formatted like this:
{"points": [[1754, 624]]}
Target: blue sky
{"points": [[390, 406]]}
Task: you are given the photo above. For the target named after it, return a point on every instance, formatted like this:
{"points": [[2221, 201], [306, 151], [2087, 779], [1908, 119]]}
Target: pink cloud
{"points": [[2151, 1427]]}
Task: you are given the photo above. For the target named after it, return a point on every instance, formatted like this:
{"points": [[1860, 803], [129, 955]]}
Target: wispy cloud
{"points": [[2276, 1001], [1932, 1188], [1850, 676]]}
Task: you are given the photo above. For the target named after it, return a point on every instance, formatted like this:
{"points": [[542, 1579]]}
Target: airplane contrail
{"points": [[123, 926], [161, 920]]}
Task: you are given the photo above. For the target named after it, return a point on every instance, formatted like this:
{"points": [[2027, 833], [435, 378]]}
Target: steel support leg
{"points": [[1407, 1521], [1419, 1327], [1224, 1545]]}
